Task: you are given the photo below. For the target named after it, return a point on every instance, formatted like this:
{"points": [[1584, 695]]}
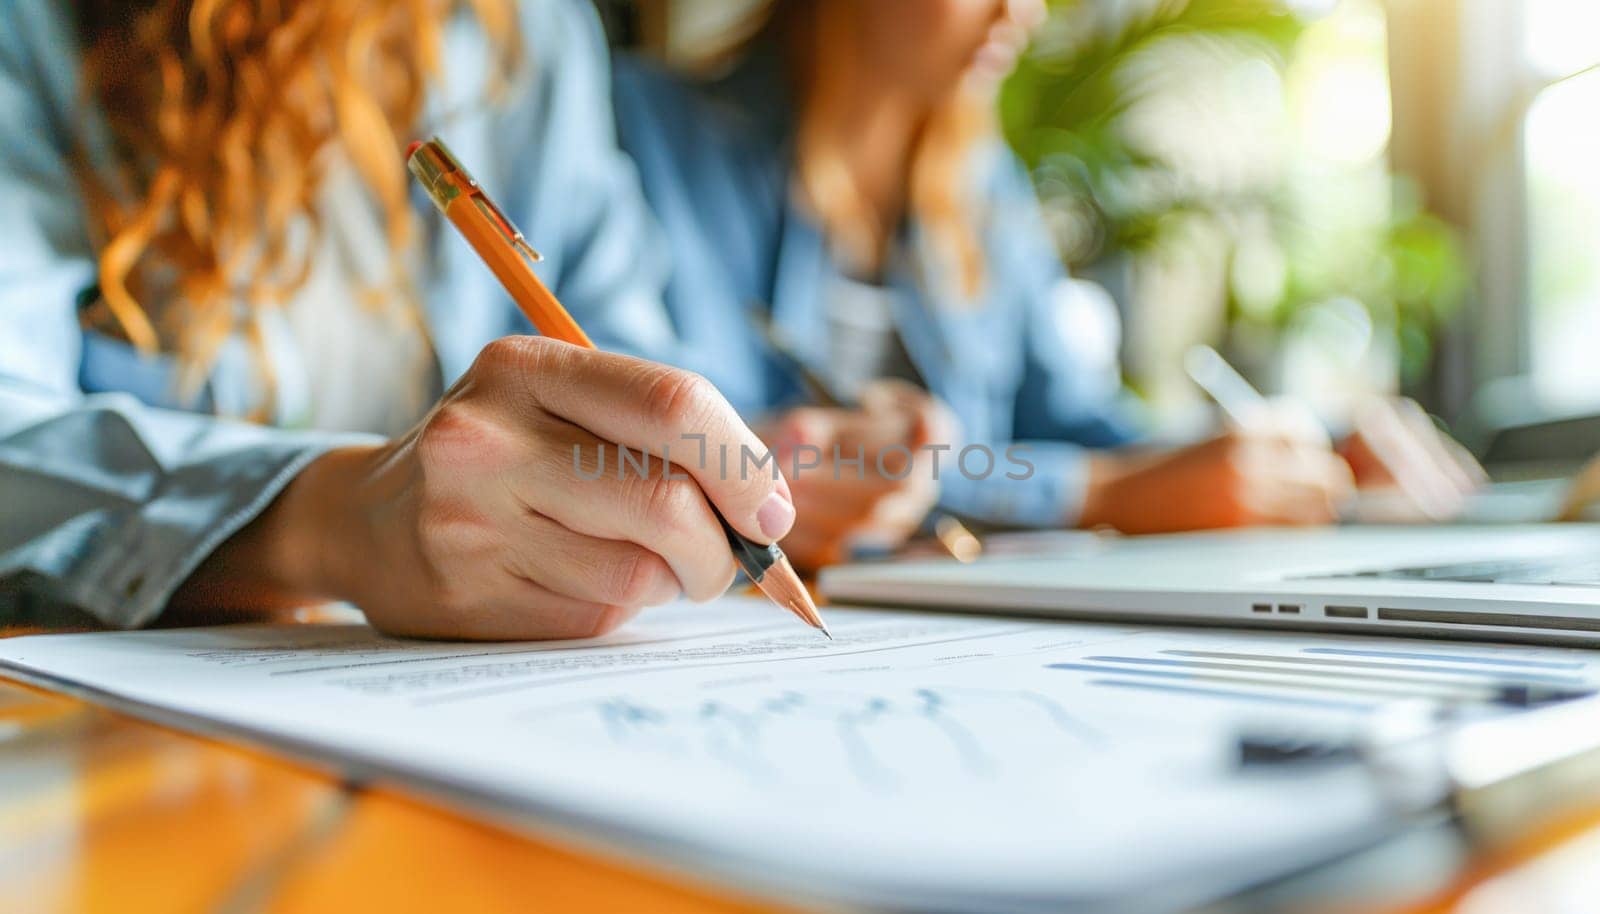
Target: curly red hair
{"points": [[222, 115]]}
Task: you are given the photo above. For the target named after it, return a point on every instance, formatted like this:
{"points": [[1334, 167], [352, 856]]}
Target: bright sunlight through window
{"points": [[1563, 166]]}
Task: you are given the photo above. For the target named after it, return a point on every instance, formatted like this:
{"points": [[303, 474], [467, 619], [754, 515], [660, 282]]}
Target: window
{"points": [[1561, 149], [1497, 117]]}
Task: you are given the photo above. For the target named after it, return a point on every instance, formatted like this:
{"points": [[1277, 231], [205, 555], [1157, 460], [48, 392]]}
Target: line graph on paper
{"points": [[881, 740]]}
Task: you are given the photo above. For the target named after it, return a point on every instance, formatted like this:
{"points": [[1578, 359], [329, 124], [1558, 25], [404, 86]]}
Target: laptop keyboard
{"points": [[1567, 572]]}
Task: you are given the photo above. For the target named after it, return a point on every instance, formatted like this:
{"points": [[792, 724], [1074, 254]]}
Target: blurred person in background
{"points": [[842, 183], [207, 219]]}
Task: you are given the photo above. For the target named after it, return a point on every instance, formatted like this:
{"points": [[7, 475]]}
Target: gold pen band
{"points": [[446, 181]]}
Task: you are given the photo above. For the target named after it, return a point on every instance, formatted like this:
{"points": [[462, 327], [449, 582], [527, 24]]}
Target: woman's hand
{"points": [[1236, 480], [878, 500], [480, 523]]}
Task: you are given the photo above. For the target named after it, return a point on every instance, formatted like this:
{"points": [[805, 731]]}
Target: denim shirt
{"points": [[1014, 365], [112, 490]]}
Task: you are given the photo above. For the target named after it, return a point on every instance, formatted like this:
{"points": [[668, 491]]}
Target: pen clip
{"points": [[513, 235], [445, 179]]}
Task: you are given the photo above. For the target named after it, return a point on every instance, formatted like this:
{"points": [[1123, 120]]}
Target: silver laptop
{"points": [[1537, 582]]}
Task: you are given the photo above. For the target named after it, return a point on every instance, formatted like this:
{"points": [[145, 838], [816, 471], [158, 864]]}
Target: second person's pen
{"points": [[509, 256]]}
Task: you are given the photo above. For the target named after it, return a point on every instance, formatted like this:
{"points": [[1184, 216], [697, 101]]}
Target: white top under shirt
{"points": [[864, 342], [357, 358]]}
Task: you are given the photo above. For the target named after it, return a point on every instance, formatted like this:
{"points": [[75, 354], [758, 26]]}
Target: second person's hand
{"points": [[1238, 479], [884, 486], [1395, 447]]}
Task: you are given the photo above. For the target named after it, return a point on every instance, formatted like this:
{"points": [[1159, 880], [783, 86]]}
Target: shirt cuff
{"points": [[131, 578]]}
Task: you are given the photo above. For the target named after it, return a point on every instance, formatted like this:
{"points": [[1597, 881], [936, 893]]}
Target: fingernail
{"points": [[775, 516]]}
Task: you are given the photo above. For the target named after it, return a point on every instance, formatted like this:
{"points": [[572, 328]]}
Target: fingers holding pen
{"points": [[598, 491], [512, 608], [646, 406], [611, 572], [495, 517]]}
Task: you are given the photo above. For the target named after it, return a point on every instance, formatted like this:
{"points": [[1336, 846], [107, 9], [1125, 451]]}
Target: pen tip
{"points": [[785, 588], [822, 627]]}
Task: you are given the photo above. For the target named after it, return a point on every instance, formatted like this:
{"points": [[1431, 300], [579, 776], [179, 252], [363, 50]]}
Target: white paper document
{"points": [[918, 760]]}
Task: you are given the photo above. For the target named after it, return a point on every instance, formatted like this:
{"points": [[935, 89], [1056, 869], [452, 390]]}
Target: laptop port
{"points": [[1292, 608], [1345, 612]]}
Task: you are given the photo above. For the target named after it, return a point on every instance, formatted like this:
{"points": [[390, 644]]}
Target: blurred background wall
{"points": [[1344, 195]]}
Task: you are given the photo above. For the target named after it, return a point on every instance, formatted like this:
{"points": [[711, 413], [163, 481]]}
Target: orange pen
{"points": [[509, 256], [504, 251]]}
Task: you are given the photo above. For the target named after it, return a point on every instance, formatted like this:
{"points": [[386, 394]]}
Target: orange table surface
{"points": [[100, 812]]}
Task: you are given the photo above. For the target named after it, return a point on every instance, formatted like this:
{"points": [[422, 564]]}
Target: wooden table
{"points": [[104, 813]]}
